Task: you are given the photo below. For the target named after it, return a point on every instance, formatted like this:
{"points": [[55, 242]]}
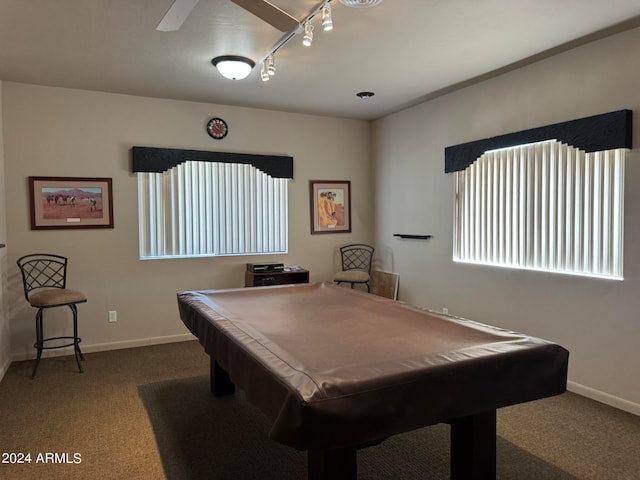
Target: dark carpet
{"points": [[146, 413]]}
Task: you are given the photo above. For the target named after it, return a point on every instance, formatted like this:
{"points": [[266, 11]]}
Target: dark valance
{"points": [[591, 134], [148, 159]]}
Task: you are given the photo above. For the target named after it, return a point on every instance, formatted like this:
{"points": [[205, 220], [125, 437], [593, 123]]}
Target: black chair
{"points": [[356, 265], [44, 277]]}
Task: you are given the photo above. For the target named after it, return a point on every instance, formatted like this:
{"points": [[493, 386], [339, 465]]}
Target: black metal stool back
{"points": [[356, 264], [44, 278]]}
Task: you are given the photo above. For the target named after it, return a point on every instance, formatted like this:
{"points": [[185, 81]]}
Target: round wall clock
{"points": [[217, 128]]}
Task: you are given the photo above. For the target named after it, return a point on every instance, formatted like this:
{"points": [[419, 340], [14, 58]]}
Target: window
{"points": [[542, 206], [208, 208]]}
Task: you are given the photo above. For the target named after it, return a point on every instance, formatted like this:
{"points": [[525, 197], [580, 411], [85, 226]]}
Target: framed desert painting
{"points": [[330, 206], [70, 202]]}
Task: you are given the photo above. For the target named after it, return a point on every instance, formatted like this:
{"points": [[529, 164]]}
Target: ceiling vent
{"points": [[360, 3]]}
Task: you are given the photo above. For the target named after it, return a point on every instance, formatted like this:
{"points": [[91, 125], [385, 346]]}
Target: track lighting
{"points": [[327, 22], [271, 65], [264, 76], [236, 68], [322, 10], [307, 39]]}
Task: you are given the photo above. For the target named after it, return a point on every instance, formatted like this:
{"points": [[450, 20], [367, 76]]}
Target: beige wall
{"points": [[62, 132], [5, 349], [597, 320]]}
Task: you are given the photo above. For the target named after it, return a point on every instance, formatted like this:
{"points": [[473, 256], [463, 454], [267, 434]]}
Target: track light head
{"points": [[307, 39], [327, 21], [264, 76], [271, 65]]}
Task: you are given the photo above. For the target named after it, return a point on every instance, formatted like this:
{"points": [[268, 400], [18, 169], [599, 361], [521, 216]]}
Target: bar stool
{"points": [[356, 264], [44, 277]]}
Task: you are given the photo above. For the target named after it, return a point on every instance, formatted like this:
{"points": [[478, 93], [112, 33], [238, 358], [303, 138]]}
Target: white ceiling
{"points": [[403, 50]]}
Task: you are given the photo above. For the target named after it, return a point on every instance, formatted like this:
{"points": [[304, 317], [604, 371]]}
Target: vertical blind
{"points": [[542, 206], [209, 208]]}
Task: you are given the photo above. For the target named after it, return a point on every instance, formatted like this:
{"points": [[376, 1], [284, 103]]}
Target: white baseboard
{"points": [[605, 398], [102, 347], [144, 342]]}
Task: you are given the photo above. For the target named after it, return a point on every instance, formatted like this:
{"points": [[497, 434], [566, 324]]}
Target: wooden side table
{"points": [[261, 279]]}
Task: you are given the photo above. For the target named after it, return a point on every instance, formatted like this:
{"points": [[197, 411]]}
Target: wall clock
{"points": [[217, 128]]}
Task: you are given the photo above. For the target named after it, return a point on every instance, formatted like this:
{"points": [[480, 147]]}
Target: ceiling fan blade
{"points": [[269, 13], [176, 15]]}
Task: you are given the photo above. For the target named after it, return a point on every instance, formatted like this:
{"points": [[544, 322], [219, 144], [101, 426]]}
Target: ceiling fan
{"points": [[180, 10]]}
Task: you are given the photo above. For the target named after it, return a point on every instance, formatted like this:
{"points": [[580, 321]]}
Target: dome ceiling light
{"points": [[361, 3], [233, 67]]}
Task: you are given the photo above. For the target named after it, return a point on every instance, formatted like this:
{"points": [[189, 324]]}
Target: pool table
{"points": [[337, 369]]}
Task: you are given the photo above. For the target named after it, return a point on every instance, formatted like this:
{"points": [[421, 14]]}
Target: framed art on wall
{"points": [[330, 206], [70, 202]]}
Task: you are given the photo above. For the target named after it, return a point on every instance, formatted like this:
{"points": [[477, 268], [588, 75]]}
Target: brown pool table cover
{"points": [[333, 367]]}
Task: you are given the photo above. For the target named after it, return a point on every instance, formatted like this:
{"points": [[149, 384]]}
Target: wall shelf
{"points": [[412, 236]]}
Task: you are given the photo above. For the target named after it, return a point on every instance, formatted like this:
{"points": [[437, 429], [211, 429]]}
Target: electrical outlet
{"points": [[113, 316], [445, 310]]}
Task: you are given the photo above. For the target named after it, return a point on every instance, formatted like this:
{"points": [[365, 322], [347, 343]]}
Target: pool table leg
{"points": [[221, 384], [473, 447], [338, 464]]}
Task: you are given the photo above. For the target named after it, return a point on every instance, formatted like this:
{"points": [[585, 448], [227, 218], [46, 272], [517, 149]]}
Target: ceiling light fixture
{"points": [[305, 28], [365, 95], [307, 39], [233, 67], [327, 21], [264, 75], [361, 3], [271, 65]]}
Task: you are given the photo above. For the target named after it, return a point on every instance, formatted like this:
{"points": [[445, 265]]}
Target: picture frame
{"points": [[70, 203], [330, 206]]}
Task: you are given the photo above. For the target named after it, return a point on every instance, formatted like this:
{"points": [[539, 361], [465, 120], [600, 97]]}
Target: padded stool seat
{"points": [[56, 297], [351, 276]]}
